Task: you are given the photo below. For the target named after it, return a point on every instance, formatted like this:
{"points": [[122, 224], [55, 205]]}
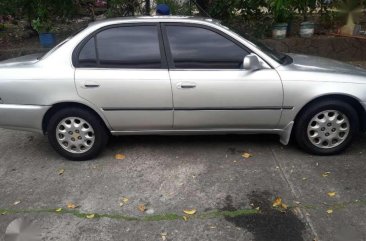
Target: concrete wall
{"points": [[340, 48]]}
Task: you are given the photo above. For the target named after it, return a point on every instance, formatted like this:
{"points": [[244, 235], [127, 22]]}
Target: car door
{"points": [[210, 88], [122, 70]]}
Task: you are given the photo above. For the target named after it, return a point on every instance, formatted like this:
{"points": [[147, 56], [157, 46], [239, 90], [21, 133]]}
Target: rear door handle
{"points": [[186, 85]]}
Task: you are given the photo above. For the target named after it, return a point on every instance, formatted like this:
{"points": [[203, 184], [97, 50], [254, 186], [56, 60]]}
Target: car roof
{"points": [[154, 19]]}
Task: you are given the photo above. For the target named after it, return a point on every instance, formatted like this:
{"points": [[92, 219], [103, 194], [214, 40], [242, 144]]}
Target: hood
{"points": [[23, 60], [320, 64]]}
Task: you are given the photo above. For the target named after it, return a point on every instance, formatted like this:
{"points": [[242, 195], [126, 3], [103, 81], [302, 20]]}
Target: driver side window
{"points": [[200, 48]]}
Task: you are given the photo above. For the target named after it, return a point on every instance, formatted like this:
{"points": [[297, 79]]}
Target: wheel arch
{"points": [[62, 105], [353, 101]]}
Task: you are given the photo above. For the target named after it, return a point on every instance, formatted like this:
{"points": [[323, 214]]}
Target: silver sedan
{"points": [[178, 75]]}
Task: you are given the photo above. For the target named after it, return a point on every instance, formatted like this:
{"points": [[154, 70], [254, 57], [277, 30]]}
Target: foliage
{"points": [[327, 18], [281, 10], [304, 7], [252, 9], [228, 10], [2, 27], [121, 8], [32, 8], [41, 26], [223, 9]]}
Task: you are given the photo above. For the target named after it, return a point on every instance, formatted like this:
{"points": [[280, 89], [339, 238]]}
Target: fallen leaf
{"points": [[277, 202], [297, 202], [119, 156], [325, 174], [296, 211], [3, 213], [284, 206], [125, 200], [90, 216], [330, 211], [71, 205], [17, 202], [58, 210], [304, 178], [163, 236], [331, 194], [190, 212], [61, 171], [246, 155], [141, 208], [257, 208], [185, 218]]}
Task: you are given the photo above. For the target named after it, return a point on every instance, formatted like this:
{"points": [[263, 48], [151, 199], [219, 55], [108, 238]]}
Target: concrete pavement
{"points": [[233, 196]]}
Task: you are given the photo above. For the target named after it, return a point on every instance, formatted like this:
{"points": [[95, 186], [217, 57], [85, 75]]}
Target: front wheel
{"points": [[77, 134], [327, 127]]}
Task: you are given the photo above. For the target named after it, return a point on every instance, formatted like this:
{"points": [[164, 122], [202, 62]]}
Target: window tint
{"points": [[129, 47], [87, 56], [199, 48]]}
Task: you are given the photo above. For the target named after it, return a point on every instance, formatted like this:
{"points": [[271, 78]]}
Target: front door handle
{"points": [[186, 85], [91, 84]]}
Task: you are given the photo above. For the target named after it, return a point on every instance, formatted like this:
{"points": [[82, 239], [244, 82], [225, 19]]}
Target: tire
{"points": [[77, 134], [327, 127]]}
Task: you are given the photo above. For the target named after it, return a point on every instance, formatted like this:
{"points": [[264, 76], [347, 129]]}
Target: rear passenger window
{"points": [[87, 56], [123, 47], [129, 47]]}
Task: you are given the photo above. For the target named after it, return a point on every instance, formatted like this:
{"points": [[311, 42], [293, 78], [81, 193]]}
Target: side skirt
{"points": [[284, 134]]}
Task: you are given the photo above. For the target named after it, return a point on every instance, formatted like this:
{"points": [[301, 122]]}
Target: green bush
{"points": [[32, 9]]}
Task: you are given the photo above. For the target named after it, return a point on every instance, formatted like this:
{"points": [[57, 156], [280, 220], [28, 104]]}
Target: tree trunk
{"points": [[147, 7]]}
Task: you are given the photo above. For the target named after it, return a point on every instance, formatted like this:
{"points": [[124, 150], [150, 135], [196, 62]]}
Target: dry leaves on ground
{"points": [[61, 171], [247, 155], [71, 205], [90, 216], [277, 203], [141, 208], [58, 210], [163, 236], [190, 211], [325, 174], [123, 201], [17, 202], [330, 211], [119, 156], [331, 194]]}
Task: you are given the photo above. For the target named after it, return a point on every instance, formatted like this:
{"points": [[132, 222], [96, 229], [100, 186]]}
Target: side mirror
{"points": [[251, 62]]}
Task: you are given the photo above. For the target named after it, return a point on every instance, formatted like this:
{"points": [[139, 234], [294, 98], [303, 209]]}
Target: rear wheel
{"points": [[77, 134], [327, 127]]}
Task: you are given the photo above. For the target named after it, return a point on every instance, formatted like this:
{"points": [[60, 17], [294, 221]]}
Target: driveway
{"points": [[142, 195]]}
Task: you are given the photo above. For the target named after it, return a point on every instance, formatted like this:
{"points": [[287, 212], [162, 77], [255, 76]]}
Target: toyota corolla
{"points": [[178, 75]]}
